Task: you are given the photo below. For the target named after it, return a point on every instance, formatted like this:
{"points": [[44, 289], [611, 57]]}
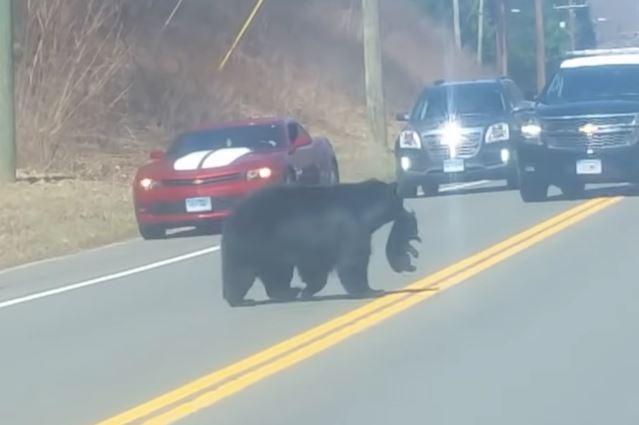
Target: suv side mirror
{"points": [[402, 117], [157, 155], [524, 107]]}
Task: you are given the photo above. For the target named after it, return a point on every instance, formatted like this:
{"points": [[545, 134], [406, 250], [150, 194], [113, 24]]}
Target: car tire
{"points": [[512, 182], [573, 190], [333, 178], [406, 190], [533, 189], [289, 178], [152, 232], [430, 188]]}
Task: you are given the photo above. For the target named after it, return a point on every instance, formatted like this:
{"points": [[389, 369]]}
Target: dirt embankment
{"points": [[99, 83]]}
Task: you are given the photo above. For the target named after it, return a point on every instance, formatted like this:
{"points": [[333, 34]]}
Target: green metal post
{"points": [[7, 121]]}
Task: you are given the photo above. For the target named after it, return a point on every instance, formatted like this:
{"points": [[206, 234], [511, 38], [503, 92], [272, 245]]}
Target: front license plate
{"points": [[589, 166], [454, 166], [195, 205]]}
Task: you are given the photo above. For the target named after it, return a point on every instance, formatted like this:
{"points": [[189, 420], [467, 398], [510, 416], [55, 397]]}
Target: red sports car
{"points": [[206, 171]]}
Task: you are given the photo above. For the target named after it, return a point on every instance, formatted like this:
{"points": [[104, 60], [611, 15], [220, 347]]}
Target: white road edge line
{"points": [[103, 279], [152, 266]]}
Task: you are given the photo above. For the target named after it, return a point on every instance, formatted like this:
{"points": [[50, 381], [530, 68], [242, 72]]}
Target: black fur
{"points": [[315, 229], [398, 247]]}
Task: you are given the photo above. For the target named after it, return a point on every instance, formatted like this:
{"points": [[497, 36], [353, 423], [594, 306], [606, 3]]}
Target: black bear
{"points": [[315, 229]]}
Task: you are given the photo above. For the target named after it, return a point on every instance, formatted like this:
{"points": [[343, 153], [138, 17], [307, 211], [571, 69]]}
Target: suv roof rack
{"points": [[603, 52]]}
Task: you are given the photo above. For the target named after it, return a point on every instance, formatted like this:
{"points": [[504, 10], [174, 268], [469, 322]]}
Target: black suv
{"points": [[584, 127], [459, 132]]}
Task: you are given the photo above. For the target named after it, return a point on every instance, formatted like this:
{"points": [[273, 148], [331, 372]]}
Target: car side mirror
{"points": [[524, 107], [402, 117], [157, 155]]}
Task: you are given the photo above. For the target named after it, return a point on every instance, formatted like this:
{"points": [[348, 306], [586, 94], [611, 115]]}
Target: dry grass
{"points": [[42, 220]]}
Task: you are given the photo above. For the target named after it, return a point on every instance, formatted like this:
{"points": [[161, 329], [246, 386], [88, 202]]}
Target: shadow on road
{"points": [[342, 297], [600, 192]]}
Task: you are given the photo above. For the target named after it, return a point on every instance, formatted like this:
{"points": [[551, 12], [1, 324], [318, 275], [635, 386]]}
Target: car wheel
{"points": [[406, 190], [289, 177], [152, 232], [334, 173], [532, 189], [430, 188], [573, 190], [512, 182]]}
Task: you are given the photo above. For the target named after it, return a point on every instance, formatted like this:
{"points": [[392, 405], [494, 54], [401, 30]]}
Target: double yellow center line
{"points": [[212, 388]]}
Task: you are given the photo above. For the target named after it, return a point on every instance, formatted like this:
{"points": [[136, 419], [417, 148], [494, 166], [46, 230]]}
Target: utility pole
{"points": [[571, 7], [480, 33], [541, 45], [7, 122], [571, 24], [457, 25], [374, 71], [502, 44]]}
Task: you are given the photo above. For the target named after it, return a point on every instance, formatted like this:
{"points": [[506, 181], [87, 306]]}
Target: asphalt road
{"points": [[542, 335]]}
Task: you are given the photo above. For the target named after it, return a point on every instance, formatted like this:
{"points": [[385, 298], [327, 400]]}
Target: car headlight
{"points": [[498, 133], [148, 184], [409, 139], [531, 131], [259, 173]]}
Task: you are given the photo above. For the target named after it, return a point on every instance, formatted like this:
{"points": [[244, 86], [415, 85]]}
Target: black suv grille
{"points": [[612, 131], [468, 148]]}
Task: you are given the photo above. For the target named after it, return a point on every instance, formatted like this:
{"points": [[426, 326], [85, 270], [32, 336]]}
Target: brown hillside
{"points": [[103, 80]]}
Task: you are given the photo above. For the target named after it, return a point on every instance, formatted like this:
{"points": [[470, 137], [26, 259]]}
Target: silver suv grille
{"points": [[611, 131], [467, 148]]}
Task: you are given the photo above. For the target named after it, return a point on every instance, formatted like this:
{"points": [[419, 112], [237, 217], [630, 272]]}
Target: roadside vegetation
{"points": [[101, 83]]}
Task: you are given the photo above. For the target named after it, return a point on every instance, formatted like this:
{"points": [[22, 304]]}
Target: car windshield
{"points": [[442, 102], [594, 83], [257, 138]]}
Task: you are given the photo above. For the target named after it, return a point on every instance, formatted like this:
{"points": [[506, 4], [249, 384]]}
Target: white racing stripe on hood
{"points": [[190, 162], [224, 157]]}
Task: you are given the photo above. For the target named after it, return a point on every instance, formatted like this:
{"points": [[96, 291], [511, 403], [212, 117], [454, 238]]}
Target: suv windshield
{"points": [[594, 83], [441, 102], [257, 138]]}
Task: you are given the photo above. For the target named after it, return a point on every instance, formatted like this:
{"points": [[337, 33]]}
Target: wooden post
{"points": [[457, 25], [480, 33], [374, 71], [541, 45], [502, 44], [7, 115]]}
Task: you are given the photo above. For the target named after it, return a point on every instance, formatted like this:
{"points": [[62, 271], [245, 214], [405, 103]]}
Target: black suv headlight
{"points": [[498, 133], [410, 139], [531, 132]]}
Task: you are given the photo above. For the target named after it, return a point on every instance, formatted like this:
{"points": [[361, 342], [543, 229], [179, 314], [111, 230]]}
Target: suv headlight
{"points": [[409, 139], [498, 133], [531, 132]]}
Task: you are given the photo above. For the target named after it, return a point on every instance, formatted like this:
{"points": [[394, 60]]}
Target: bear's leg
{"points": [[237, 279], [315, 276], [276, 278], [352, 269]]}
